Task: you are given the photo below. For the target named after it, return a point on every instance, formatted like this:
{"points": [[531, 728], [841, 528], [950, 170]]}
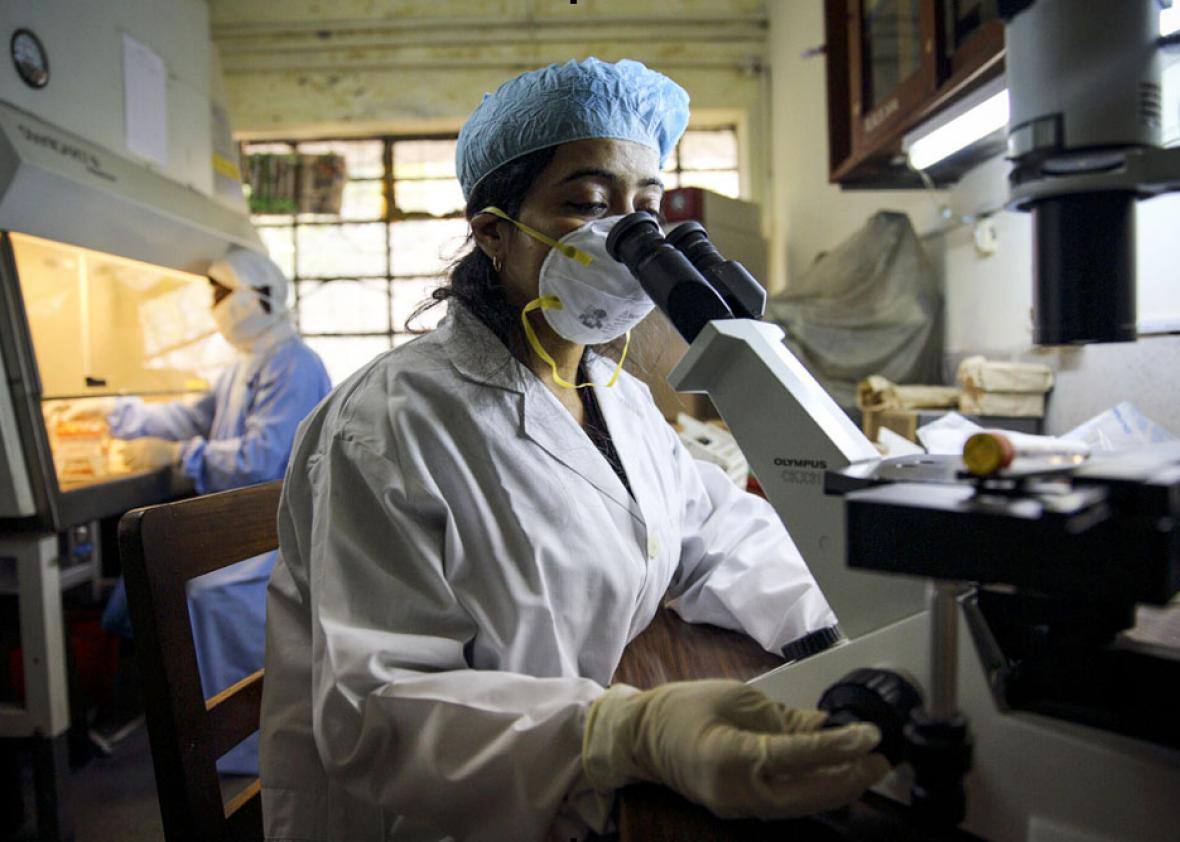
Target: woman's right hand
{"points": [[729, 747]]}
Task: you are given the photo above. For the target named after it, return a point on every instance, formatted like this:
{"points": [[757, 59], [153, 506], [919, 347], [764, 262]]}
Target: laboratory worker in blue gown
{"points": [[238, 434]]}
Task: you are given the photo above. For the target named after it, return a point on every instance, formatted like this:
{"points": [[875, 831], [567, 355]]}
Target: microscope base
{"points": [[1033, 777]]}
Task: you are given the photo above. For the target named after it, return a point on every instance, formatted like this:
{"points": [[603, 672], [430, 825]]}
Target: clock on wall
{"points": [[29, 58]]}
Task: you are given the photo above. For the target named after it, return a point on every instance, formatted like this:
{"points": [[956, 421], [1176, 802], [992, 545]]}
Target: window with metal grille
{"points": [[359, 274]]}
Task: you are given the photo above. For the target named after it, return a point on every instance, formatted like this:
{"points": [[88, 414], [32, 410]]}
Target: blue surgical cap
{"points": [[562, 103]]}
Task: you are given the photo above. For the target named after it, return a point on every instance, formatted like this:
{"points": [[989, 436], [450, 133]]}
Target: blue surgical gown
{"points": [[240, 433]]}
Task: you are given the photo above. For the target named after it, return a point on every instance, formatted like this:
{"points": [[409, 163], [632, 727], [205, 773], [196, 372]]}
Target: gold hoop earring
{"points": [[497, 264]]}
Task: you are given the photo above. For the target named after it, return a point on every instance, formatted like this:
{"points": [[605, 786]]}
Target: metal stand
{"points": [[45, 716], [938, 743]]}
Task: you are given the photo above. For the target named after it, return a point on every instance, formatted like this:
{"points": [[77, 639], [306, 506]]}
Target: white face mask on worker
{"points": [[240, 318], [601, 300], [586, 295]]}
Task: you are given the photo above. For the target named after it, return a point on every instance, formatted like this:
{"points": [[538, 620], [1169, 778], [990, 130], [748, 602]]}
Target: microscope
{"points": [[1032, 604]]}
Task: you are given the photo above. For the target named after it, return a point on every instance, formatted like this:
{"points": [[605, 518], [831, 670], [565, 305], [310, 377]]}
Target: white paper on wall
{"points": [[145, 101]]}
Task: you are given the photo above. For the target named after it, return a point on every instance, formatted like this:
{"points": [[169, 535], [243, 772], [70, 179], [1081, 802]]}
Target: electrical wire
{"points": [[951, 220]]}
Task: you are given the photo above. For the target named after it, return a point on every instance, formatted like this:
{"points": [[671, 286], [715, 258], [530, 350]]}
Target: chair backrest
{"points": [[161, 549]]}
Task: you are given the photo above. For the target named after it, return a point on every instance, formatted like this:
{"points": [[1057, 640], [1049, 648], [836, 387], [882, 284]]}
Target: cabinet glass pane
{"points": [[341, 250], [427, 248], [342, 355], [408, 295], [102, 324], [963, 18], [891, 44], [343, 306]]}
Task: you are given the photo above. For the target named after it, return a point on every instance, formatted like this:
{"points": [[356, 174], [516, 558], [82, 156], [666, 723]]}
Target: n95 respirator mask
{"points": [[584, 294]]}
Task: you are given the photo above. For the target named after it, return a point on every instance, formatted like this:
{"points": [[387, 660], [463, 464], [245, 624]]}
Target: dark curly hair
{"points": [[474, 282]]}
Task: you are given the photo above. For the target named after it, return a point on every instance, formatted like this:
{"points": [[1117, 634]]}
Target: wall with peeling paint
{"points": [[311, 67]]}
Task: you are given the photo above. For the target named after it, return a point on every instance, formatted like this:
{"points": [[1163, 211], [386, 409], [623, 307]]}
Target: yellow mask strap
{"points": [[569, 251], [549, 302]]}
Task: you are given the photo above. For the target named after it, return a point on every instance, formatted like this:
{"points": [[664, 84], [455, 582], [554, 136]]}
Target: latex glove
{"points": [[148, 452], [729, 747], [89, 409]]}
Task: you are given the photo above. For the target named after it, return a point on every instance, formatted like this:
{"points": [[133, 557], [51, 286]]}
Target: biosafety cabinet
{"points": [[103, 254], [79, 324], [102, 293]]}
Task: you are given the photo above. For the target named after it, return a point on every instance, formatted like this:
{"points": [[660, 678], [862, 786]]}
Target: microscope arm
{"points": [[789, 428], [791, 431]]}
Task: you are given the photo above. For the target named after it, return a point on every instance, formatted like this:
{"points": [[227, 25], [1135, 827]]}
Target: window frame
{"points": [[394, 334]]}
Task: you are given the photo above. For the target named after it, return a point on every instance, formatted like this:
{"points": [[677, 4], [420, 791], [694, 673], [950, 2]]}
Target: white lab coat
{"points": [[460, 570]]}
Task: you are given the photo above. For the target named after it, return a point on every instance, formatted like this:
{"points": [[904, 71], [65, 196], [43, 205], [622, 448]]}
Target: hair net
{"points": [[244, 268], [567, 102]]}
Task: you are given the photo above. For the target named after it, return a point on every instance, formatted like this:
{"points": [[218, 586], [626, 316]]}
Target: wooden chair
{"points": [[162, 548]]}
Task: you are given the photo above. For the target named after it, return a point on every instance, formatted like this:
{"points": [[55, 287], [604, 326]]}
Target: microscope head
{"points": [[1084, 137]]}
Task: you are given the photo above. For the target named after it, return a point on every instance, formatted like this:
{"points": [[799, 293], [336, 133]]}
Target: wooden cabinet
{"points": [[892, 64]]}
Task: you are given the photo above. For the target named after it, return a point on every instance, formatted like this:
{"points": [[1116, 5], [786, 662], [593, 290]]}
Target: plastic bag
{"points": [[872, 305], [1122, 427], [949, 433]]}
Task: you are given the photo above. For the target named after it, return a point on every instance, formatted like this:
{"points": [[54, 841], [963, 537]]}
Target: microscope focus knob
{"points": [[880, 696]]}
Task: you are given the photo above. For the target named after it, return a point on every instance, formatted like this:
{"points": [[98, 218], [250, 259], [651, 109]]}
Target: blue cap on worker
{"points": [[562, 103]]}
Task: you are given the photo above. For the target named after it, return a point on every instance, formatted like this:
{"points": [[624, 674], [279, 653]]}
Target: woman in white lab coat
{"points": [[468, 545]]}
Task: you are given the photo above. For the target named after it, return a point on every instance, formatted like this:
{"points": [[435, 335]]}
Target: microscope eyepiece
{"points": [[738, 288], [633, 236], [692, 239], [677, 288]]}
